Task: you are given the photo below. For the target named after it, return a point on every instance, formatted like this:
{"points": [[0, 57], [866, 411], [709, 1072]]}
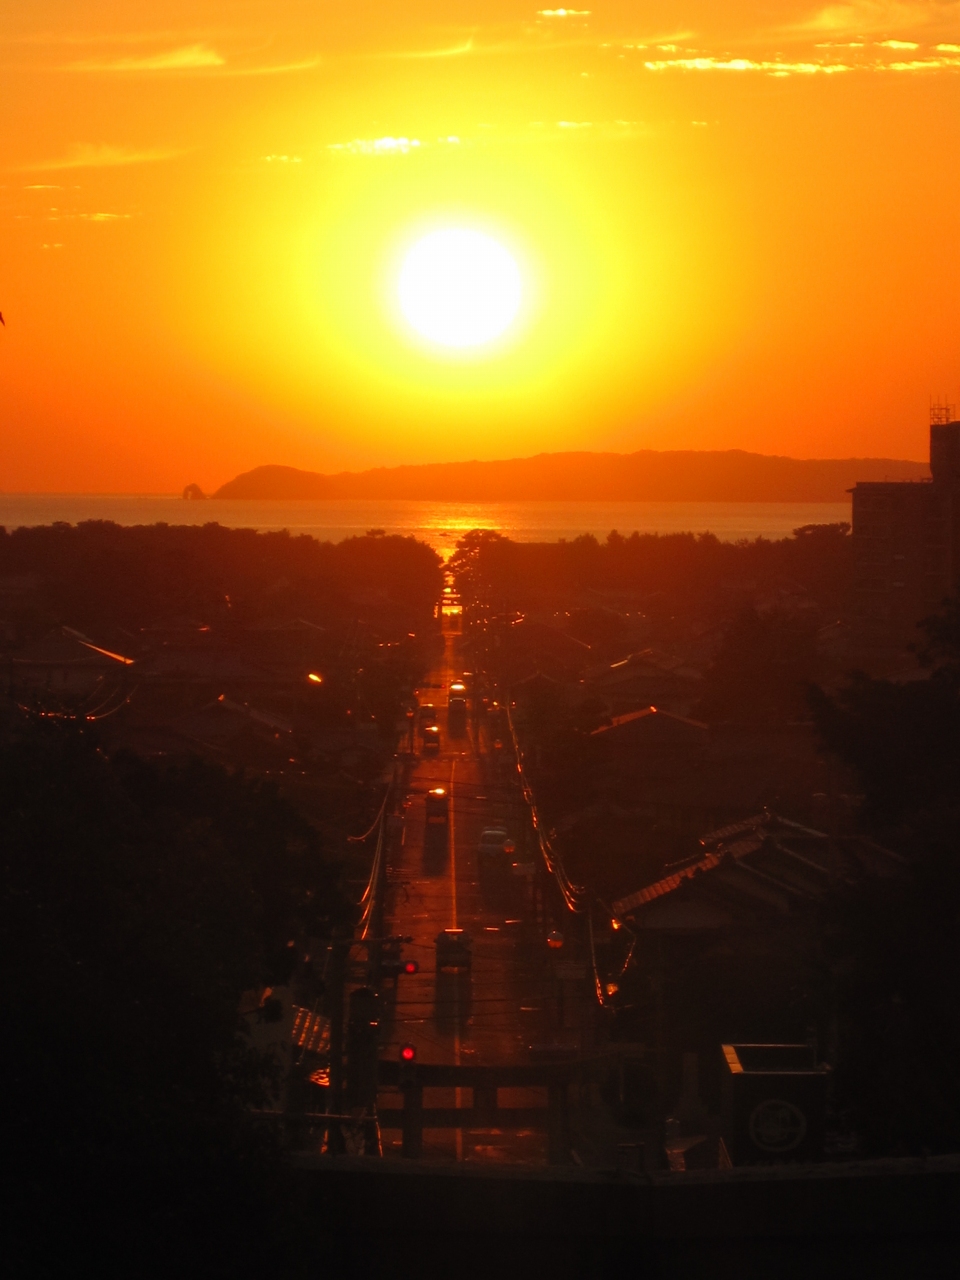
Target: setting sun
{"points": [[480, 625], [459, 288]]}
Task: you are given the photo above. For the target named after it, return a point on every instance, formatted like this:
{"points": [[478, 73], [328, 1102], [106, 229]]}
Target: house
{"points": [[648, 677], [649, 751], [764, 863], [527, 646], [67, 664]]}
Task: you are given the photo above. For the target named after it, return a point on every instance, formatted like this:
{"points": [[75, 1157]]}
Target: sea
{"points": [[438, 523]]}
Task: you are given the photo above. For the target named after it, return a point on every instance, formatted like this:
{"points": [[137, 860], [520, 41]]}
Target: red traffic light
{"points": [[408, 1053], [411, 966]]}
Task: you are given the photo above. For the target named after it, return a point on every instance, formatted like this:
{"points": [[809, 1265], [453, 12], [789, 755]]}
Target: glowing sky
{"points": [[736, 226]]}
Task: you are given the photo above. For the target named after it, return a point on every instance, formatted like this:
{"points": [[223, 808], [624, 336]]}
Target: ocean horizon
{"points": [[439, 524]]}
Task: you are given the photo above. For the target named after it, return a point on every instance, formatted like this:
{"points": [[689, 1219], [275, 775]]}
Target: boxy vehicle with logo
{"points": [[457, 717], [454, 950]]}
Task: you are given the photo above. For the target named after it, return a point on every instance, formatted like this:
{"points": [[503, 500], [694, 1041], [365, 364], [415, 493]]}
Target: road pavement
{"points": [[506, 1002]]}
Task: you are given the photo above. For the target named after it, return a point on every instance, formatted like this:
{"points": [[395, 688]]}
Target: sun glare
{"points": [[459, 288]]}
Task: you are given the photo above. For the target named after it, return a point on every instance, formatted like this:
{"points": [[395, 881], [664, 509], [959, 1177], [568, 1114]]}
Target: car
{"points": [[431, 739], [438, 806], [454, 949], [492, 839], [426, 715], [492, 852], [458, 689]]}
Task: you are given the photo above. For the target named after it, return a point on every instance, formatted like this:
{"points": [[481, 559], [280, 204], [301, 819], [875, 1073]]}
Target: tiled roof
{"points": [[664, 886], [631, 716], [796, 861]]}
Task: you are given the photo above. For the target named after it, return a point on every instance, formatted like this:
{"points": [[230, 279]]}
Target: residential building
{"points": [[906, 546]]}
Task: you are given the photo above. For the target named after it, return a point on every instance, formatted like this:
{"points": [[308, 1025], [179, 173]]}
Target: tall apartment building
{"points": [[906, 545]]}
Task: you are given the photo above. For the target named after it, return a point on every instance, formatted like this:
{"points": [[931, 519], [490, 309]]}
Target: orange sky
{"points": [[738, 224]]}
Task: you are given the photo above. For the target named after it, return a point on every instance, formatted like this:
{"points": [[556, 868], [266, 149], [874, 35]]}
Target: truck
{"points": [[457, 717], [454, 950]]}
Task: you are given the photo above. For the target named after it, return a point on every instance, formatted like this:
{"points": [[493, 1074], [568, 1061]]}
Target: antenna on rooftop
{"points": [[941, 412]]}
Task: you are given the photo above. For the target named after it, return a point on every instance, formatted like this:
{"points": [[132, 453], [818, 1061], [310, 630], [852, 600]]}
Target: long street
{"points": [[491, 1013]]}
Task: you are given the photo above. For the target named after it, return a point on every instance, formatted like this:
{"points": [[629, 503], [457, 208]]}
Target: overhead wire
{"points": [[573, 894]]}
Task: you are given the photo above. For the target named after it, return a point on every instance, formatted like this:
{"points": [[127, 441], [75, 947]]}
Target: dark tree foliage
{"points": [[893, 945], [680, 567], [761, 671], [892, 949], [941, 652], [98, 573], [903, 739], [139, 901]]}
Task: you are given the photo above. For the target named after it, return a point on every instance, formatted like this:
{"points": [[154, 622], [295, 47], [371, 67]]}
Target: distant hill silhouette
{"points": [[730, 475]]}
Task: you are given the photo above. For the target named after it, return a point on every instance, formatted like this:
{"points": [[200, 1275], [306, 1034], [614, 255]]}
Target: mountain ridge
{"points": [[732, 475]]}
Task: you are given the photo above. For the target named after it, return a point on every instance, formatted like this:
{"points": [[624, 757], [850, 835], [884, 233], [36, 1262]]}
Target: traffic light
{"points": [[408, 1064], [390, 962], [392, 965]]}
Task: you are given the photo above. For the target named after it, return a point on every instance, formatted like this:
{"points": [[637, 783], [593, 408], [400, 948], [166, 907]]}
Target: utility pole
{"points": [[339, 953]]}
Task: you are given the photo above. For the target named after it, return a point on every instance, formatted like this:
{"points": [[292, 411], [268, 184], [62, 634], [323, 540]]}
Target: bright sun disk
{"points": [[459, 288]]}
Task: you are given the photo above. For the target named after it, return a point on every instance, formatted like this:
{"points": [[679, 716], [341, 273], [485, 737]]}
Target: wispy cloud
{"points": [[377, 146], [450, 51], [101, 156], [66, 215], [921, 64], [607, 130], [390, 146], [861, 63], [275, 69], [189, 58], [774, 67], [869, 17], [98, 39]]}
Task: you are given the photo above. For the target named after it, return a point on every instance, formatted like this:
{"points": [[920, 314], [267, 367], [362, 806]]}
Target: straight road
{"points": [[492, 1014]]}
